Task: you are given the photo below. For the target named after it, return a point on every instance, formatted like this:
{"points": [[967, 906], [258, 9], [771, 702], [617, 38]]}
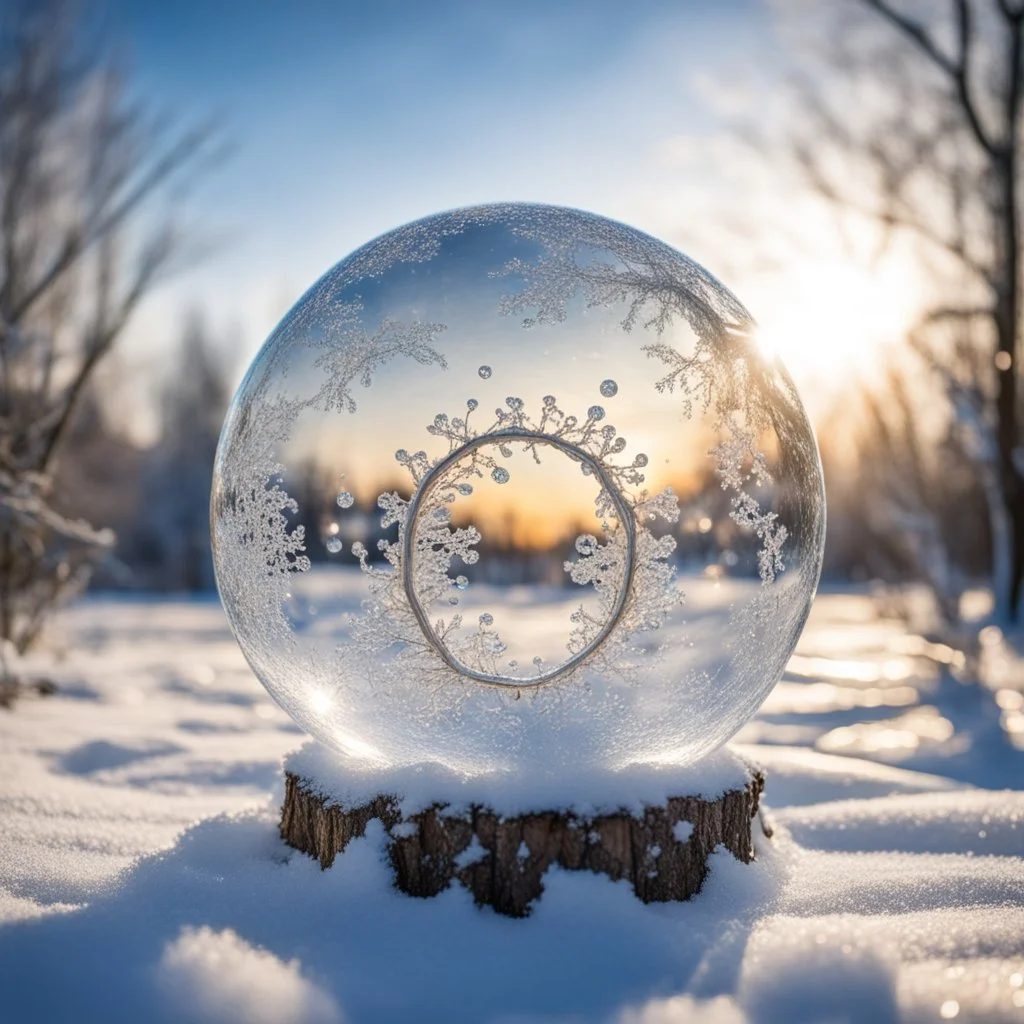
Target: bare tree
{"points": [[907, 479], [915, 122], [82, 240]]}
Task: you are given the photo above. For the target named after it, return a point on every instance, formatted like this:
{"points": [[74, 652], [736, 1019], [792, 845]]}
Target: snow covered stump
{"points": [[499, 836]]}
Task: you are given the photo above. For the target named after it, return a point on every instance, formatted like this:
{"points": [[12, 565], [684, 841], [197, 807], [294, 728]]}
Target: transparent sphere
{"points": [[513, 487]]}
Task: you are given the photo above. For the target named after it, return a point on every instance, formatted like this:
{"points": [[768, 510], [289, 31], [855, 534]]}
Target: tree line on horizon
{"points": [[933, 490]]}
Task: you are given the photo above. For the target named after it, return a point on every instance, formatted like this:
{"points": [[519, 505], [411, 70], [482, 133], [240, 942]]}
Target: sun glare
{"points": [[831, 322]]}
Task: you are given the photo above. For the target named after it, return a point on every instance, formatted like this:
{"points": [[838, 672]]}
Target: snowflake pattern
{"points": [[655, 285], [631, 558]]}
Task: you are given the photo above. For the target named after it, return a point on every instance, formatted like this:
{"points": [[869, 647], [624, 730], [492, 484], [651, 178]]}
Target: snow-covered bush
{"points": [[81, 244]]}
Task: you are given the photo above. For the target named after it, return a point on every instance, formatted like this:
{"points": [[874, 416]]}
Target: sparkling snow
{"points": [[142, 878]]}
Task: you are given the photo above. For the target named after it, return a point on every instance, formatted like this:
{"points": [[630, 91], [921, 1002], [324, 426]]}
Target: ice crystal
{"points": [[389, 618], [350, 352], [349, 329], [715, 376]]}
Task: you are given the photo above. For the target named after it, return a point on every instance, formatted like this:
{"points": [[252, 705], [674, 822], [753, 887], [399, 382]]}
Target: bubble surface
{"points": [[649, 592]]}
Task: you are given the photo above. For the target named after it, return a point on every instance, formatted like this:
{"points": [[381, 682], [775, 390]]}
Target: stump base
{"points": [[502, 859]]}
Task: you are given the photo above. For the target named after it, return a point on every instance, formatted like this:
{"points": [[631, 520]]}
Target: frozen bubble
{"points": [[333, 545], [486, 619], [345, 499], [433, 322], [586, 544], [461, 582], [640, 460]]}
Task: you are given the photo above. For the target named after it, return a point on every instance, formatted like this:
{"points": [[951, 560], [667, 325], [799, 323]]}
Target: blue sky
{"points": [[347, 119]]}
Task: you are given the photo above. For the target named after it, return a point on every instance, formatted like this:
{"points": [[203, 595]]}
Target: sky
{"points": [[343, 120]]}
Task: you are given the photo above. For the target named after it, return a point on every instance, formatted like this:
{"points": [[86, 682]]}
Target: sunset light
{"points": [[511, 510], [834, 320]]}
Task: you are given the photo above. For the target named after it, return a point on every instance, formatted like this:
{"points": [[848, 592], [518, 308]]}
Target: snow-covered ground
{"points": [[142, 879]]}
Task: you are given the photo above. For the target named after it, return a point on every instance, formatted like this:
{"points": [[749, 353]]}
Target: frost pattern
{"points": [[251, 507], [252, 524], [657, 287], [260, 549], [388, 621], [350, 352]]}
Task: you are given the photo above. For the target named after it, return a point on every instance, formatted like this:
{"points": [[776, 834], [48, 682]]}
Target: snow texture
{"points": [[681, 831], [353, 782], [142, 877]]}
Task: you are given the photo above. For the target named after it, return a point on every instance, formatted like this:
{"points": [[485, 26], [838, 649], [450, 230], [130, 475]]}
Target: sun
{"points": [[831, 322]]}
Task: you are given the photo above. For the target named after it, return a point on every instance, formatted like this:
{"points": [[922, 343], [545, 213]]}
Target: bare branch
{"points": [[80, 167], [947, 313], [956, 70], [891, 216], [1014, 15], [77, 245], [102, 338], [915, 32]]}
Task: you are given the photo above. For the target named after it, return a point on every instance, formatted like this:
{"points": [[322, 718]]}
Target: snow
{"points": [[205, 973], [681, 831], [470, 855], [355, 781], [142, 877]]}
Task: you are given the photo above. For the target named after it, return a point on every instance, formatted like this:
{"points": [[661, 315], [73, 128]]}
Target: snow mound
{"points": [[975, 822], [219, 978], [352, 783], [128, 894]]}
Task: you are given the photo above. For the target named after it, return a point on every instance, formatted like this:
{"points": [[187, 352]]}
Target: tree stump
{"points": [[502, 860]]}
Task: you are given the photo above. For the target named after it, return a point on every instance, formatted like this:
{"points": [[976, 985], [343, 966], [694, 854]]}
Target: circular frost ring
{"points": [[622, 509]]}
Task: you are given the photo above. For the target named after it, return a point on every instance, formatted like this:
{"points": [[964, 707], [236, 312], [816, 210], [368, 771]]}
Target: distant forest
{"points": [[156, 498]]}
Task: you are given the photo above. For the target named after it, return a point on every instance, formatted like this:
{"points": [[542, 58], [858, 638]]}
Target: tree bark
{"points": [[502, 860], [1008, 309]]}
